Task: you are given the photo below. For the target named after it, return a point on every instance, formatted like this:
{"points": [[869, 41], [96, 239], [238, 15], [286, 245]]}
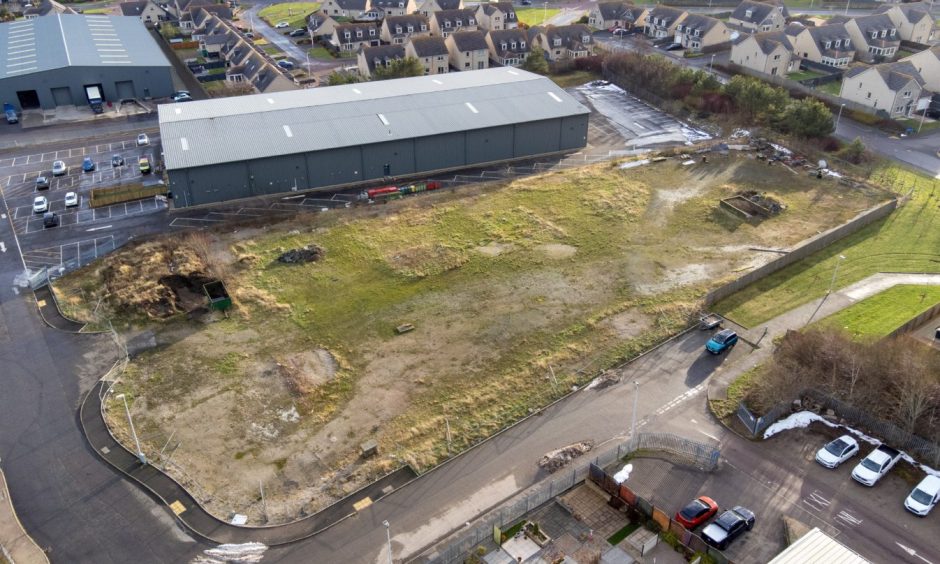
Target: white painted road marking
{"points": [[816, 501], [3, 247], [848, 518], [99, 228], [912, 552]]}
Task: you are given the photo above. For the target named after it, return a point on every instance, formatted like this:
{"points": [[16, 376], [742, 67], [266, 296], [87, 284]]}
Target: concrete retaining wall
{"points": [[916, 322], [811, 246]]}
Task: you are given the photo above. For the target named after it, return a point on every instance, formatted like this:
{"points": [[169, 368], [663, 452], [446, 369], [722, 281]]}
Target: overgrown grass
{"points": [[535, 16], [321, 53], [737, 390], [834, 88], [884, 312], [623, 533], [906, 241], [511, 531], [294, 13], [574, 78]]}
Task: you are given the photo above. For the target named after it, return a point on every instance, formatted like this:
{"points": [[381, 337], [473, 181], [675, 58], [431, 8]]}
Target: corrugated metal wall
{"points": [[351, 165], [153, 82]]}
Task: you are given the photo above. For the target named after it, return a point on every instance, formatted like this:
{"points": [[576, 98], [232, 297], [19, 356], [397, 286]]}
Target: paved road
{"points": [[919, 151], [297, 52]]}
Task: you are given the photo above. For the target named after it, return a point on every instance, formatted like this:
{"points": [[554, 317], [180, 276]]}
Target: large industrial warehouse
{"points": [[232, 148], [52, 60]]}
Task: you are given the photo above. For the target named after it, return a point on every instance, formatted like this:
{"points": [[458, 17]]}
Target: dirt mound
{"points": [[558, 459], [158, 278], [305, 371], [307, 253]]}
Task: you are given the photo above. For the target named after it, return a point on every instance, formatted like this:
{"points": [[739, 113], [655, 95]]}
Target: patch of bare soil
{"points": [[425, 260], [557, 250], [676, 276], [494, 249], [666, 199], [628, 324]]}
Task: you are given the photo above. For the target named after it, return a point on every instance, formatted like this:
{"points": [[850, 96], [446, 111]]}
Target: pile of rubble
{"points": [[307, 253], [559, 458]]}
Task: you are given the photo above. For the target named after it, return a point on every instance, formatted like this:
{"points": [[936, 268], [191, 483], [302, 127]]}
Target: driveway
{"points": [[296, 52]]}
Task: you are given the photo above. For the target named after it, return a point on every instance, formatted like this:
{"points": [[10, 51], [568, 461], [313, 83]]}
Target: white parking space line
{"points": [[849, 519]]}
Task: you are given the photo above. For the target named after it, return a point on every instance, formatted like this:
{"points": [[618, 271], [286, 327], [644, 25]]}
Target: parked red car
{"points": [[697, 512]]}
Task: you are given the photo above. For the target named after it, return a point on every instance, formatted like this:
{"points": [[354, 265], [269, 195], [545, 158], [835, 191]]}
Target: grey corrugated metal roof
{"points": [[62, 40], [816, 546], [212, 131]]}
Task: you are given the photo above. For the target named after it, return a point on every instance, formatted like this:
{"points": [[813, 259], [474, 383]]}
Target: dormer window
{"points": [[828, 44], [557, 42], [447, 24], [502, 46], [347, 35], [884, 33], [892, 32], [679, 28], [522, 44], [585, 39], [471, 22], [697, 32], [847, 43], [397, 29], [838, 42], [358, 33], [372, 32], [514, 45], [411, 29], [459, 23], [874, 35], [748, 13]]}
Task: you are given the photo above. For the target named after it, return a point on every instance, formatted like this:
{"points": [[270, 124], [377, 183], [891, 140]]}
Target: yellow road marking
{"points": [[177, 507], [362, 504]]}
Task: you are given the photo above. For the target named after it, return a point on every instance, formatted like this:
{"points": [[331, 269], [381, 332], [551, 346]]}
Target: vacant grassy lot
{"points": [[505, 283], [882, 313], [574, 78], [804, 74], [294, 13], [906, 241], [535, 16]]}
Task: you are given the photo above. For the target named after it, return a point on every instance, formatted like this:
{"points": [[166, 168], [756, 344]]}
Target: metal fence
{"points": [[918, 447], [756, 425], [457, 547], [691, 544]]}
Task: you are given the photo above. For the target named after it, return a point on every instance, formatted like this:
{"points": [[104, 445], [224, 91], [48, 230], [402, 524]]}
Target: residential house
{"points": [[177, 8], [616, 15], [148, 11], [913, 20], [431, 51], [468, 50], [563, 41], [828, 44], [370, 58], [508, 47], [212, 45], [388, 8], [352, 9], [445, 22], [661, 21], [759, 16], [927, 63], [875, 37], [320, 25], [893, 87], [428, 7], [698, 31], [494, 16], [397, 29], [768, 52], [351, 36]]}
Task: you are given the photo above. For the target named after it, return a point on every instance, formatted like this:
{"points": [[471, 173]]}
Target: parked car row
{"points": [[877, 465], [722, 531]]}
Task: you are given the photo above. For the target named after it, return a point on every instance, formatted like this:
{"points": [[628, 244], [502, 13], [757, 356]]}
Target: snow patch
{"points": [[289, 415], [624, 473], [688, 162], [232, 554], [634, 164], [802, 419]]}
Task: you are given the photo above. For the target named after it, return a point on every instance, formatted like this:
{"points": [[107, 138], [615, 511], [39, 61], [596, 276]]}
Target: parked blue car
{"points": [[88, 165], [722, 341]]}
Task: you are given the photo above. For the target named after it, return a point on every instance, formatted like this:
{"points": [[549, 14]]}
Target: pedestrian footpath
{"points": [[15, 544]]}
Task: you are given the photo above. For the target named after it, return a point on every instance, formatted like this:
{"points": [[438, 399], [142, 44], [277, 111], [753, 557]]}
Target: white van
{"points": [[924, 496]]}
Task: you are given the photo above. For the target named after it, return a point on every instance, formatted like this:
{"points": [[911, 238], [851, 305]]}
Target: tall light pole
{"points": [[140, 454], [835, 272], [711, 63], [545, 13], [923, 116], [388, 536], [847, 4], [839, 117], [636, 394]]}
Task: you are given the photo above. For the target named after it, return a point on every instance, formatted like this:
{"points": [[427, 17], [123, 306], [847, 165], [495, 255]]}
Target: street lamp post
{"points": [[847, 4], [388, 536], [839, 117], [636, 394], [923, 116], [545, 13], [835, 272], [711, 63], [140, 454]]}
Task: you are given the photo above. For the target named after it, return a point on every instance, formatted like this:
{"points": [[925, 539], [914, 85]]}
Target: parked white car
{"points": [[924, 496], [874, 466], [142, 140], [59, 168], [837, 451], [281, 25], [71, 199], [40, 204]]}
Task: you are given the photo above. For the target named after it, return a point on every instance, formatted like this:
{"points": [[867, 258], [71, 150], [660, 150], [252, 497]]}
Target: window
{"points": [[907, 94], [828, 44], [679, 28], [748, 13], [884, 33], [765, 28], [893, 32], [847, 43], [459, 23], [358, 33], [411, 29], [480, 65], [522, 44], [471, 22], [838, 42], [776, 57], [346, 34], [397, 29], [447, 25], [502, 46], [467, 64], [513, 45], [874, 35], [557, 42], [697, 32], [869, 96]]}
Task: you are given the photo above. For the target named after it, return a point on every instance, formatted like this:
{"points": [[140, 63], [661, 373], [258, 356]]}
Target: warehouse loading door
{"points": [[125, 90], [29, 99], [62, 96]]}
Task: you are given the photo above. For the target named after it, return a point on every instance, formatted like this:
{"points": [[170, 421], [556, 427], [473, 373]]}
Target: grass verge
{"points": [[906, 241], [723, 409], [884, 312], [294, 13], [574, 78], [803, 75]]}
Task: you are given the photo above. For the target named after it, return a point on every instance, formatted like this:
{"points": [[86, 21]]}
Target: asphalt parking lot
{"points": [[779, 477]]}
